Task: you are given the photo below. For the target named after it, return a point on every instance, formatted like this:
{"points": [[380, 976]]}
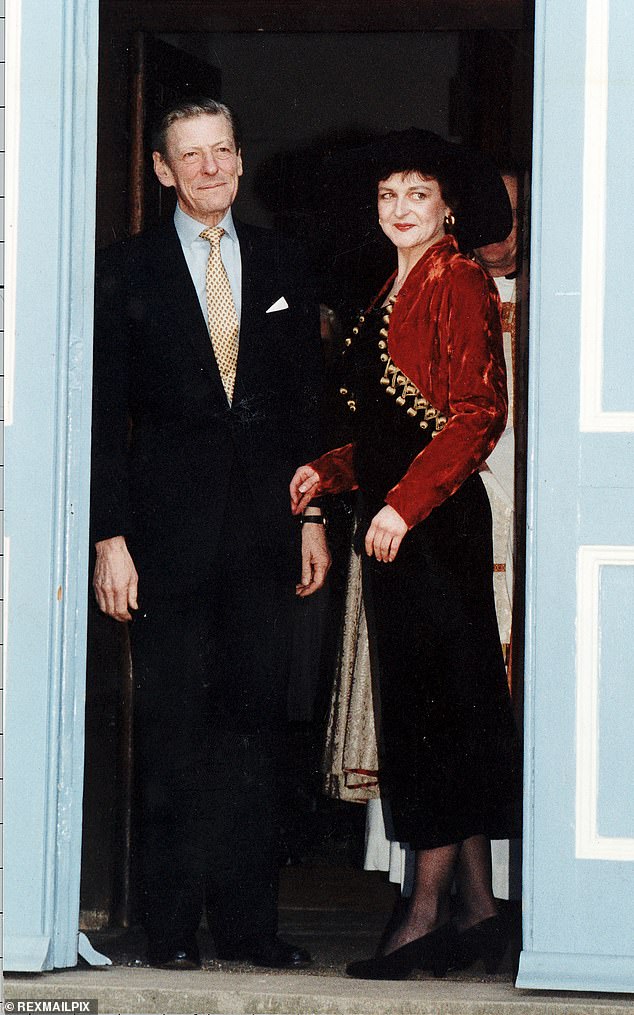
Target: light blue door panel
{"points": [[616, 703], [579, 807], [618, 380]]}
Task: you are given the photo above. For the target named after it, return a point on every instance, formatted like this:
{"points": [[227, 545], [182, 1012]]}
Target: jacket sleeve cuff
{"points": [[336, 471]]}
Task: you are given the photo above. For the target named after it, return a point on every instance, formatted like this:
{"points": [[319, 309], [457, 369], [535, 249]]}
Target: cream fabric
{"points": [[350, 756], [499, 481], [499, 476], [221, 312], [382, 854]]}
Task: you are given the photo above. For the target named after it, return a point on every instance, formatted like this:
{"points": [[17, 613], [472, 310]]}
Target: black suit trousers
{"points": [[210, 670]]}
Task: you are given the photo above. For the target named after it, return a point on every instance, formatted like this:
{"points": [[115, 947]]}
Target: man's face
{"points": [[203, 165], [501, 258]]}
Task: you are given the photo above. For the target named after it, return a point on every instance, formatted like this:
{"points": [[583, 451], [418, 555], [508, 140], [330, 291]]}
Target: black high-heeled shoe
{"points": [[431, 951], [486, 940]]}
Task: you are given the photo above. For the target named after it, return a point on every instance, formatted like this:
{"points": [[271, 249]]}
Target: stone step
{"points": [[222, 992]]}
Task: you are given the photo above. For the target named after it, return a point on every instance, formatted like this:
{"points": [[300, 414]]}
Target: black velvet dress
{"points": [[450, 759]]}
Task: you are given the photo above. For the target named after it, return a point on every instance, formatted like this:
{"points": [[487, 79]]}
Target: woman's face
{"points": [[411, 211]]}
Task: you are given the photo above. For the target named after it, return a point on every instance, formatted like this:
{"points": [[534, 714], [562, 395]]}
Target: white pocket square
{"points": [[280, 304]]}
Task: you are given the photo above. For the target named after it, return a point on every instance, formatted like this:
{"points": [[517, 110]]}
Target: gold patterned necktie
{"points": [[221, 312]]}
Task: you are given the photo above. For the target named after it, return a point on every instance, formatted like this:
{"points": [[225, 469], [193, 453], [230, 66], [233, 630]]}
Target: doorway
{"points": [[464, 74]]}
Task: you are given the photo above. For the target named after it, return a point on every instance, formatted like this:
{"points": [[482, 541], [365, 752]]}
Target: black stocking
{"points": [[428, 905], [427, 908], [474, 880]]}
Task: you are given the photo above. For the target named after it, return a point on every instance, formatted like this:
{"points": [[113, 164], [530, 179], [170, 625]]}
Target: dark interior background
{"points": [[303, 77]]}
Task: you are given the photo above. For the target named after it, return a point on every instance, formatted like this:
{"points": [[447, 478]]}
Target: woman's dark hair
{"points": [[429, 169], [469, 182], [422, 152]]}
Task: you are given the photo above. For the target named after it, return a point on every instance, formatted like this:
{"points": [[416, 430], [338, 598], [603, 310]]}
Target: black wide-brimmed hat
{"points": [[473, 185], [325, 194]]}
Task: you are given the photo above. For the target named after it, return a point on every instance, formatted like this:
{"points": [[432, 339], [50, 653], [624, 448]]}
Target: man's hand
{"points": [[315, 559], [115, 580], [385, 534], [304, 486]]}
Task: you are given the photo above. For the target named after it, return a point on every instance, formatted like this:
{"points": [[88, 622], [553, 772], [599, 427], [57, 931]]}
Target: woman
{"points": [[426, 388]]}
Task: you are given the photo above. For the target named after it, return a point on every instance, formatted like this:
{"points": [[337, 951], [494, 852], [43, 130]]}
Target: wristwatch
{"points": [[315, 519]]}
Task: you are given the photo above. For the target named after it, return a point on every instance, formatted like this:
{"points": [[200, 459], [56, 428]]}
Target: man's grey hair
{"points": [[186, 109]]}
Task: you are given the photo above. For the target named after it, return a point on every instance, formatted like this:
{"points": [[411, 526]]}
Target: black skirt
{"points": [[449, 750], [450, 759]]}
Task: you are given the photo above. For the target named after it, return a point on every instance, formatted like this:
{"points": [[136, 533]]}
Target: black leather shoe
{"points": [[276, 954], [174, 956], [430, 952], [486, 940]]}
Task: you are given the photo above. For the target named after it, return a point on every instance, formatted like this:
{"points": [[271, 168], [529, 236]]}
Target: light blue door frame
{"points": [[53, 64], [579, 724], [579, 817]]}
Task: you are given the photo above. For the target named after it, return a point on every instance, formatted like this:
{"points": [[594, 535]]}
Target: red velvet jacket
{"points": [[445, 334]]}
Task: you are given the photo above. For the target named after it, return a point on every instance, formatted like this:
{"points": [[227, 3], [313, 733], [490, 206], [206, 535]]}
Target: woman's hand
{"points": [[385, 534], [304, 486]]}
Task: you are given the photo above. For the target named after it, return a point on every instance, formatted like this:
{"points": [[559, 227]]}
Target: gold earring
{"points": [[450, 221]]}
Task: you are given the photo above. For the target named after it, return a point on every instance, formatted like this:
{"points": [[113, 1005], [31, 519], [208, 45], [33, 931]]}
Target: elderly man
{"points": [[206, 366]]}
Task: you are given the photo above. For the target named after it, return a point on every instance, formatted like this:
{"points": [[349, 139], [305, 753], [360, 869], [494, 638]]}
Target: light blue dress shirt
{"points": [[196, 253]]}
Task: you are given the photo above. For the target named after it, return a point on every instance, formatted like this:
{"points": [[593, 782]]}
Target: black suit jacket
{"points": [[165, 440]]}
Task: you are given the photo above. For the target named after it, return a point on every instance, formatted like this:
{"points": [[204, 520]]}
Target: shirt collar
{"points": [[189, 229]]}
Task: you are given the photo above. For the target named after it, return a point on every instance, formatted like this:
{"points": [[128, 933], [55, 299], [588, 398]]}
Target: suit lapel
{"points": [[176, 292], [247, 311], [256, 270]]}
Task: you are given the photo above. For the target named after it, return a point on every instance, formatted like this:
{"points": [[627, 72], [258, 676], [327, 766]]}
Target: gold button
{"points": [[384, 357], [383, 332], [348, 341], [343, 391], [384, 381], [361, 319], [352, 406], [382, 345], [390, 390], [355, 331], [423, 426], [401, 401]]}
